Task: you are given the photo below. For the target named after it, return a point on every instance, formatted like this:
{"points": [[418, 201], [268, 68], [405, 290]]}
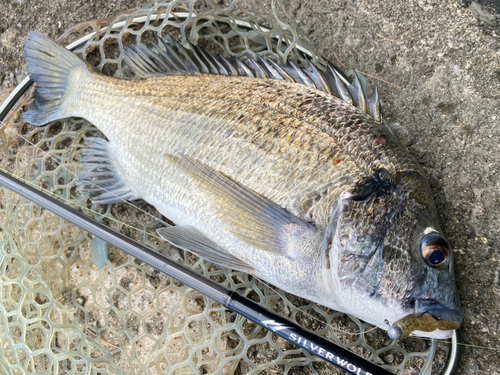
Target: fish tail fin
{"points": [[54, 70]]}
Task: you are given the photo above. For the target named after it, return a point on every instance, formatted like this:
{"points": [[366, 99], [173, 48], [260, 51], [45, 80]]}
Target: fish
{"points": [[286, 173]]}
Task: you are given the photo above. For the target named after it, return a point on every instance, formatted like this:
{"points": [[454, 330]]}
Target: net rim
{"points": [[24, 85]]}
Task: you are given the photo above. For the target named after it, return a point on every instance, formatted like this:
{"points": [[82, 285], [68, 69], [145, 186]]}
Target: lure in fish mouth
{"points": [[429, 315], [274, 170], [425, 322], [438, 311]]}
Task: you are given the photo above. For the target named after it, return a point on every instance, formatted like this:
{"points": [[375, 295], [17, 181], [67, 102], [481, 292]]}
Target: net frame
{"points": [[37, 241]]}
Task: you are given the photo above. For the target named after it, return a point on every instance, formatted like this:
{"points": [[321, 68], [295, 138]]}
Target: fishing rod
{"points": [[274, 322]]}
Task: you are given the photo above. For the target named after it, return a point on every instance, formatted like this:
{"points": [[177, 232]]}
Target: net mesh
{"points": [[66, 308]]}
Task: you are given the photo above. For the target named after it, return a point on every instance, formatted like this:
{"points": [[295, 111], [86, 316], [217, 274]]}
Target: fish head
{"points": [[387, 259]]}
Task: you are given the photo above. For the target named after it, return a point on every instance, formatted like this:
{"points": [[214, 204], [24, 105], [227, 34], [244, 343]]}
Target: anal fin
{"points": [[99, 176], [191, 239]]}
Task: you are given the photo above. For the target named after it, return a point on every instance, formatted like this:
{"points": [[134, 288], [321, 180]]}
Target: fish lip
{"points": [[438, 310]]}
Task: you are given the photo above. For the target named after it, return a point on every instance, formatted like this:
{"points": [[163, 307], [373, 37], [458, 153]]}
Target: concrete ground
{"points": [[442, 59]]}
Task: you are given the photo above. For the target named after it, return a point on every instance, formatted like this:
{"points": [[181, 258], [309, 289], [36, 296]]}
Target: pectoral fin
{"points": [[249, 216], [191, 239]]}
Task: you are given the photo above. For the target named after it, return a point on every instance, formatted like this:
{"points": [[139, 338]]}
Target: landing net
{"points": [[67, 309]]}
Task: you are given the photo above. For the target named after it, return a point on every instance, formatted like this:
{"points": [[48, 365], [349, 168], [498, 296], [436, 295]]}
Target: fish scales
{"points": [[196, 118], [266, 176]]}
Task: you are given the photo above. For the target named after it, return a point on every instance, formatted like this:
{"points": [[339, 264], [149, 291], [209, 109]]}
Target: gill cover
{"points": [[356, 232], [377, 252]]}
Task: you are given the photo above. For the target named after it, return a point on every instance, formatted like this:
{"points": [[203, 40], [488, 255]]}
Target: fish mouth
{"points": [[438, 310], [428, 316]]}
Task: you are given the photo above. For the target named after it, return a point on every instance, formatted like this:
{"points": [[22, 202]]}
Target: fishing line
{"points": [[363, 332], [459, 343], [4, 125], [68, 201], [289, 330], [48, 192], [476, 346], [59, 163], [71, 202], [293, 308], [370, 330], [312, 316]]}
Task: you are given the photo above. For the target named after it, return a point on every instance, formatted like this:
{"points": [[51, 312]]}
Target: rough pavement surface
{"points": [[444, 57]]}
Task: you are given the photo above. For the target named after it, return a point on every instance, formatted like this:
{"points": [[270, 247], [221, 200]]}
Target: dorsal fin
{"points": [[169, 57], [374, 106], [258, 70], [358, 93], [339, 89]]}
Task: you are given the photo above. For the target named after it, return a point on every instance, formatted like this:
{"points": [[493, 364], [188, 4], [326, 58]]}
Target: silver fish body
{"points": [[266, 176]]}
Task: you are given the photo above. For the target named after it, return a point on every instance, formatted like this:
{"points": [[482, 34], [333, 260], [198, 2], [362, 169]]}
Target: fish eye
{"points": [[435, 250]]}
